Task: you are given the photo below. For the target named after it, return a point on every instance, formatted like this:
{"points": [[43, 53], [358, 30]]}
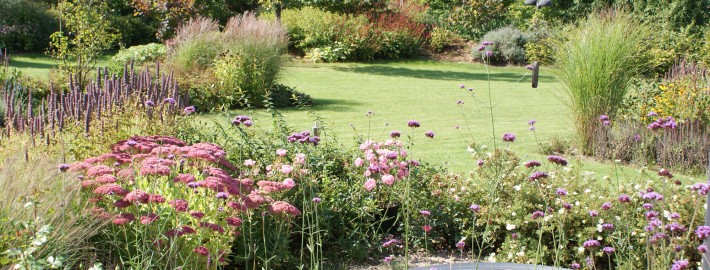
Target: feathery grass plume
{"points": [[55, 200], [195, 45], [596, 60]]}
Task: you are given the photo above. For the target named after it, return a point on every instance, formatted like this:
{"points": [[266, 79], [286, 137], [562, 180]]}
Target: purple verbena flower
{"points": [[532, 163], [591, 244], [429, 134], [413, 124], [561, 192], [608, 250], [537, 175], [508, 137], [557, 160]]}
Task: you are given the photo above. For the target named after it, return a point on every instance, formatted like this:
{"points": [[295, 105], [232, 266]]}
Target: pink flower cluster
{"points": [[198, 177], [386, 160]]}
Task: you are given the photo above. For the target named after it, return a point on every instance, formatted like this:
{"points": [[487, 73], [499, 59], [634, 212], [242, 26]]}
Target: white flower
{"points": [[517, 187], [580, 250], [512, 214], [510, 227], [587, 190], [547, 218], [599, 228]]}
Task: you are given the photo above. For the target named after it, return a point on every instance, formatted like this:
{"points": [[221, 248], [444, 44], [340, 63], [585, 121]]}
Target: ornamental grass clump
{"points": [[596, 60], [177, 205]]}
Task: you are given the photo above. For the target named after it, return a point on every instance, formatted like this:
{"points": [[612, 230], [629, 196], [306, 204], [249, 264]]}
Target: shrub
{"points": [[508, 46], [139, 54], [26, 25], [310, 28], [442, 38], [596, 60]]}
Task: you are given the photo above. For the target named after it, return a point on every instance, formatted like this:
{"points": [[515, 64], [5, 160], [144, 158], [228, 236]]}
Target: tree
{"points": [[82, 38]]}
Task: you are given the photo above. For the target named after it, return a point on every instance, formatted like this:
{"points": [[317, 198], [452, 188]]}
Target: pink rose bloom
{"points": [[286, 169], [370, 184], [359, 162], [289, 183], [388, 179], [281, 152]]}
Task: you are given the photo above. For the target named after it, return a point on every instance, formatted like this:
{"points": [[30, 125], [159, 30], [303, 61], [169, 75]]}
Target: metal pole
{"points": [[706, 242]]}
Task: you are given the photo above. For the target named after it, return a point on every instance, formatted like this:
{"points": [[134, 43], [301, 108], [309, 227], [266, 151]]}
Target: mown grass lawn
{"points": [[428, 92], [38, 65]]}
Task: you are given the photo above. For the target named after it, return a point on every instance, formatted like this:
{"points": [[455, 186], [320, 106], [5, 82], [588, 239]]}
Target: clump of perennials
{"points": [[177, 193]]}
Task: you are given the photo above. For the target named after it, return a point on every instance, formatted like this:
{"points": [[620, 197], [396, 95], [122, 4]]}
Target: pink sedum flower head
{"points": [[388, 179], [289, 183], [359, 162], [286, 169], [281, 152], [370, 184]]}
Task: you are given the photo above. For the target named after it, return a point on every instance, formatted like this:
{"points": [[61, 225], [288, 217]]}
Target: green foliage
{"points": [[330, 37], [508, 45], [87, 36], [470, 19], [26, 25], [441, 38], [596, 61], [140, 54]]}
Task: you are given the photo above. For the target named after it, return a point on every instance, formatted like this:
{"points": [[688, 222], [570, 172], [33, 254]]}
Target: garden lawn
{"points": [[427, 91], [37, 65]]}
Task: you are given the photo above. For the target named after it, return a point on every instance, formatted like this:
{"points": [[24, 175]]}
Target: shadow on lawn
{"points": [[17, 63], [384, 70], [333, 105]]}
